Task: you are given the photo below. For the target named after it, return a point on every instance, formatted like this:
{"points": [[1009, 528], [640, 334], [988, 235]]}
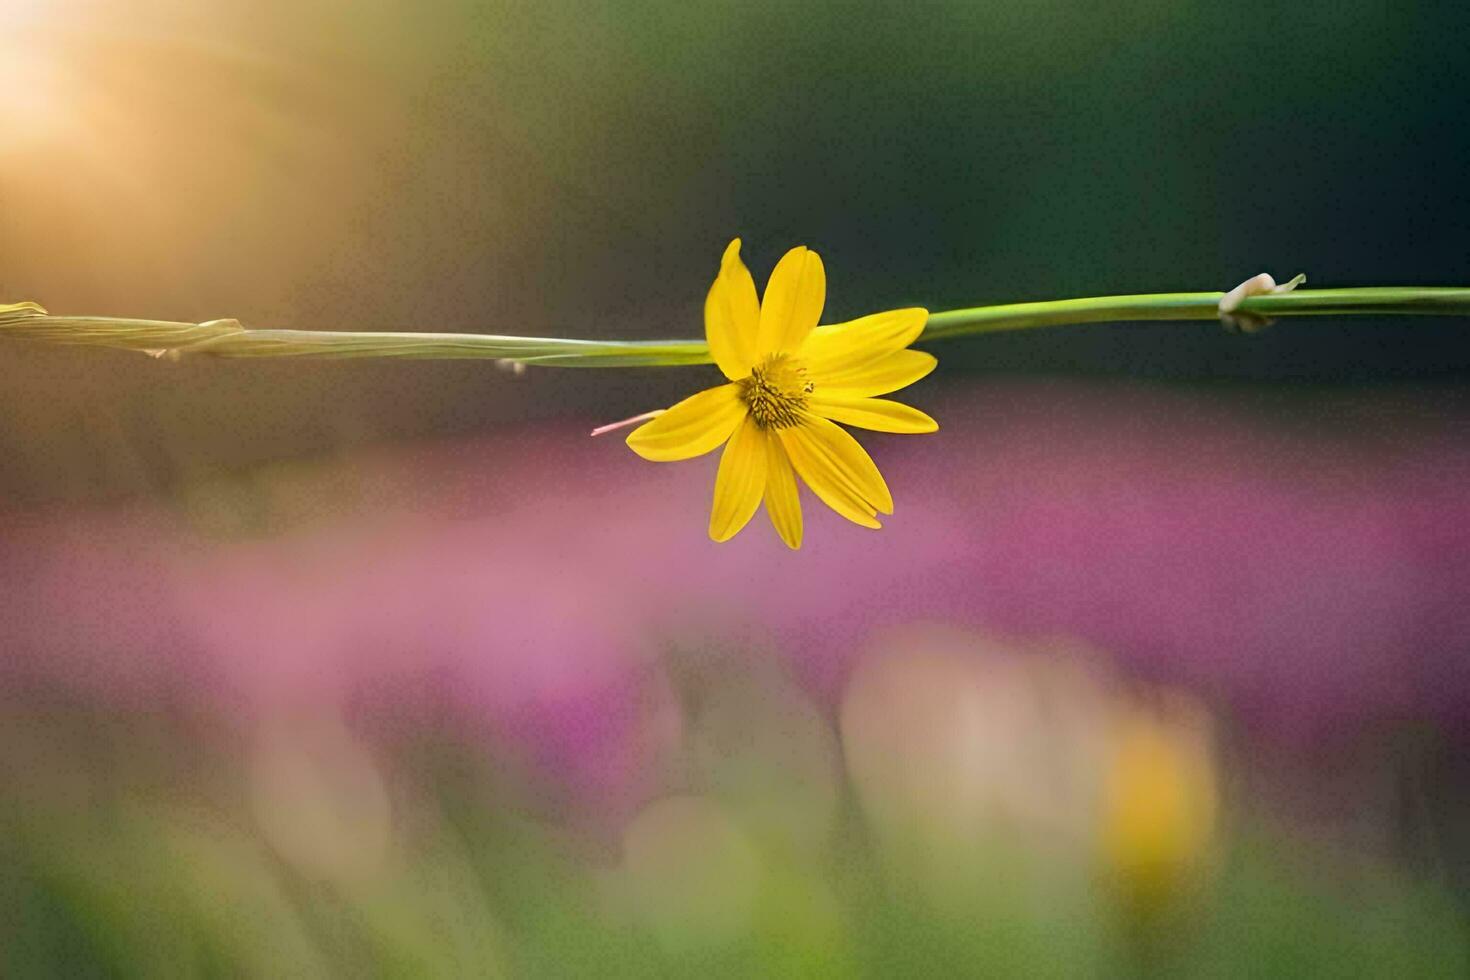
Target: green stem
{"points": [[227, 338], [1380, 300]]}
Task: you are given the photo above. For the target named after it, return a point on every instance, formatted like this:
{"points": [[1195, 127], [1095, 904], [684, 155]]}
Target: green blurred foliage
{"points": [[164, 872]]}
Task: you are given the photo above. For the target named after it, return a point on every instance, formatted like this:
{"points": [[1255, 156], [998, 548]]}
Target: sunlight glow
{"points": [[37, 106]]}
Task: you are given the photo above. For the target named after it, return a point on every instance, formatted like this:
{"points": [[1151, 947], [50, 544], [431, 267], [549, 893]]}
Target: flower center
{"points": [[776, 391]]}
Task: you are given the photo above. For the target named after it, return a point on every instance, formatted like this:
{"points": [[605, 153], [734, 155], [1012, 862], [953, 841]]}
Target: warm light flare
{"points": [[39, 104], [142, 143]]}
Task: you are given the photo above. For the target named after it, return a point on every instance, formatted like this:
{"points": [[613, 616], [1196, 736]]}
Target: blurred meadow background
{"points": [[386, 669]]}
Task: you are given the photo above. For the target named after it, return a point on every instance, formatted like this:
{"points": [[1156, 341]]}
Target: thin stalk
{"points": [[1377, 300], [228, 338]]}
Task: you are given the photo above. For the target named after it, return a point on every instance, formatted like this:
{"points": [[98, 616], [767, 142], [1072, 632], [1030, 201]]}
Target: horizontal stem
{"points": [[228, 338], [1381, 300]]}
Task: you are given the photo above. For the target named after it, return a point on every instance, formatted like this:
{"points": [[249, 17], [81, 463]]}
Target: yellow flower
{"points": [[789, 382]]}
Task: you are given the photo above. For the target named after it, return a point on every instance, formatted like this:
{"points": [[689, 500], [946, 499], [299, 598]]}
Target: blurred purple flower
{"points": [[1308, 573]]}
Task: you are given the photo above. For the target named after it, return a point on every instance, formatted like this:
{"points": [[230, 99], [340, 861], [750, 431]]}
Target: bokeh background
{"points": [[387, 669]]}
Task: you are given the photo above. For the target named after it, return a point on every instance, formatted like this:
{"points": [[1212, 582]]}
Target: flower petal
{"points": [[732, 316], [843, 347], [878, 414], [693, 427], [837, 469], [878, 377], [740, 482], [828, 485], [783, 504], [793, 302], [848, 459]]}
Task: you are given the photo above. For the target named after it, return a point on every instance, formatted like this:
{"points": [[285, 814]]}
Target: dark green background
{"points": [[576, 169]]}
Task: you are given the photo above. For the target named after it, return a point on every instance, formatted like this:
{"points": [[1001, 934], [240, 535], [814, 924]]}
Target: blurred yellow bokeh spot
{"points": [[1159, 802]]}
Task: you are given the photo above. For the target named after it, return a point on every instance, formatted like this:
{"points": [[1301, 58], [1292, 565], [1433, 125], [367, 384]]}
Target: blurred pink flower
{"points": [[1308, 573]]}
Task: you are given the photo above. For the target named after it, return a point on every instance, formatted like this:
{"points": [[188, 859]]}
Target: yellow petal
{"points": [[783, 505], [732, 316], [850, 460], [740, 482], [878, 414], [826, 484], [848, 346], [878, 377], [693, 427], [837, 469], [793, 302]]}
